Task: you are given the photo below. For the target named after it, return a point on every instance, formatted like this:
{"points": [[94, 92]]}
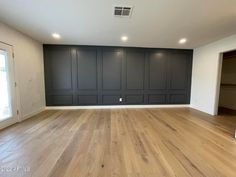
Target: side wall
{"points": [[29, 70], [205, 76]]}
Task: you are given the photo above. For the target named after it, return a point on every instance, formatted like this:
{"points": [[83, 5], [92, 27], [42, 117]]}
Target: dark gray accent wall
{"points": [[94, 75]]}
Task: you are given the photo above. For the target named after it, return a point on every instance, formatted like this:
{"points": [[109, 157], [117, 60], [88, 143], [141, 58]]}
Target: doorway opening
{"points": [[227, 96]]}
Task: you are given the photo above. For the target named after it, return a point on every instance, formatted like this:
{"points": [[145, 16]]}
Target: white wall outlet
{"points": [[120, 100]]}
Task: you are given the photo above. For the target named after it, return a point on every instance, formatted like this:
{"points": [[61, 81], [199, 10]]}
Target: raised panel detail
{"points": [[88, 99], [61, 69], [178, 71], [62, 100], [177, 99], [110, 99], [87, 69], [111, 67], [135, 70], [134, 99], [157, 99], [157, 70]]}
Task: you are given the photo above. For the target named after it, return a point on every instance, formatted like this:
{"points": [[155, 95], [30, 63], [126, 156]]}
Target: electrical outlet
{"points": [[120, 99]]}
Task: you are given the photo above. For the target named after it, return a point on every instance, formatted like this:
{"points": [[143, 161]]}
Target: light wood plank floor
{"points": [[120, 143]]}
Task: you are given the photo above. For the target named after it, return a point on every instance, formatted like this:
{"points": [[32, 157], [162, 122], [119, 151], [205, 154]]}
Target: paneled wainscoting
{"points": [[93, 75]]}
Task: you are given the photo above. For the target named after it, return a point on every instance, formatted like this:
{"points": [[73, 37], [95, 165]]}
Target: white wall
{"points": [[228, 76], [29, 70], [206, 63]]}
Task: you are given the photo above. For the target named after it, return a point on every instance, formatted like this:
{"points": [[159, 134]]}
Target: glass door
{"points": [[8, 114]]}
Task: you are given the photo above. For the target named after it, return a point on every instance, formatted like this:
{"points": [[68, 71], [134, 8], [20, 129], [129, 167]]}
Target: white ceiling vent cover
{"points": [[123, 11]]}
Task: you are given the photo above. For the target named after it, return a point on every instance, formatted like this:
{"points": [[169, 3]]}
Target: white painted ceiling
{"points": [[154, 23]]}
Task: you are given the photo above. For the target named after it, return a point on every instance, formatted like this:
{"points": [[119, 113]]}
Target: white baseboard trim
{"points": [[201, 110], [116, 107], [32, 114]]}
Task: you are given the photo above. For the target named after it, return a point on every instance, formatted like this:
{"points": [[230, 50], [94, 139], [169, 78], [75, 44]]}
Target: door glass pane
{"points": [[5, 98]]}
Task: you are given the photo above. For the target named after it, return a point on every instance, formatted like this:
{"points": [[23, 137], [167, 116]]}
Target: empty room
{"points": [[113, 88]]}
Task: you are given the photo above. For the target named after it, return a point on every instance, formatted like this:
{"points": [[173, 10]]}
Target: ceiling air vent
{"points": [[120, 11]]}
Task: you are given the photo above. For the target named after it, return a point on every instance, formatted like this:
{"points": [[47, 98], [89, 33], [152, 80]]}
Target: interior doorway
{"points": [[227, 96], [8, 106]]}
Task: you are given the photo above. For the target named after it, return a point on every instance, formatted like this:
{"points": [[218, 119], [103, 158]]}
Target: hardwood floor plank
{"points": [[178, 142]]}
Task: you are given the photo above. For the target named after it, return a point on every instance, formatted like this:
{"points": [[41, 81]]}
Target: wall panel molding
{"points": [[97, 75]]}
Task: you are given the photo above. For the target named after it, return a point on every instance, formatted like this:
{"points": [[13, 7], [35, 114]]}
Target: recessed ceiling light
{"points": [[124, 38], [56, 35], [182, 41]]}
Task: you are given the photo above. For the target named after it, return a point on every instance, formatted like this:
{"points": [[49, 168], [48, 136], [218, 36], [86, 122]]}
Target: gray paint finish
{"points": [[135, 62], [87, 69], [158, 70], [111, 69]]}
